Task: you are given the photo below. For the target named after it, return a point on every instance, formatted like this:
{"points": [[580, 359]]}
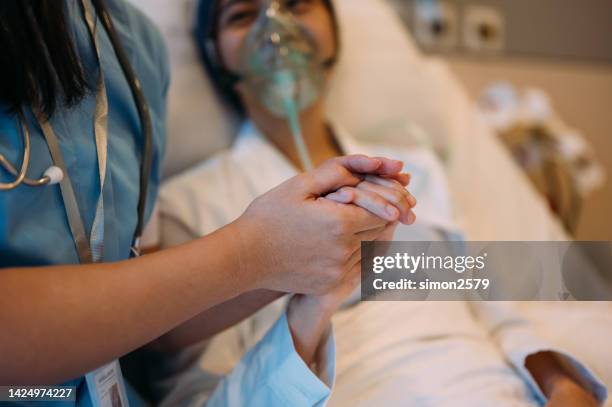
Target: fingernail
{"points": [[411, 218], [392, 211]]}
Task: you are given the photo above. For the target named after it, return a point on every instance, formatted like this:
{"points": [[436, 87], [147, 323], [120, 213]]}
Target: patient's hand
{"points": [[381, 196], [567, 393], [556, 384], [293, 239], [309, 315]]}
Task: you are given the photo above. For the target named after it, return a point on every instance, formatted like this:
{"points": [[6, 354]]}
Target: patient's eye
{"points": [[299, 6], [239, 15], [243, 13]]}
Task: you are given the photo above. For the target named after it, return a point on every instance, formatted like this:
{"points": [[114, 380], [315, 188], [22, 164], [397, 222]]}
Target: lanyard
{"points": [[91, 250]]}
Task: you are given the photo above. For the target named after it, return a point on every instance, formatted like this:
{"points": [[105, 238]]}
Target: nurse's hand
{"points": [[292, 239]]}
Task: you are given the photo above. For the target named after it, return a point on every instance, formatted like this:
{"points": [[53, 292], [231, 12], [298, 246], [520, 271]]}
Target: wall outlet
{"points": [[484, 29], [436, 24]]}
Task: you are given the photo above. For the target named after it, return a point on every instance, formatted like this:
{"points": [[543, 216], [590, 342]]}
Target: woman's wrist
{"points": [[248, 260], [308, 322], [565, 392], [254, 262], [211, 264], [554, 381], [323, 305]]}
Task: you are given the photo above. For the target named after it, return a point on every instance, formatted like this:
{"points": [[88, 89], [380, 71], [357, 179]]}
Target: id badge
{"points": [[106, 386]]}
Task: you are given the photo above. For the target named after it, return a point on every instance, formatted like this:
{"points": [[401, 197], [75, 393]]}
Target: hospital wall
{"points": [[563, 47], [582, 95]]}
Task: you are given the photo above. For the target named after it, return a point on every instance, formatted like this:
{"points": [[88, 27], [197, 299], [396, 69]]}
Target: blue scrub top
{"points": [[34, 230]]}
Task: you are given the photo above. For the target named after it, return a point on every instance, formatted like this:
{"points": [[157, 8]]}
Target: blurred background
{"points": [[541, 71]]}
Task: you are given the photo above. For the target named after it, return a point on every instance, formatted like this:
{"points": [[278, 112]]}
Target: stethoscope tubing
{"points": [[142, 106], [21, 174]]}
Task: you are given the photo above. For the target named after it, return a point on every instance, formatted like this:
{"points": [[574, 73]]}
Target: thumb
{"points": [[337, 173], [348, 170], [343, 195], [360, 163]]}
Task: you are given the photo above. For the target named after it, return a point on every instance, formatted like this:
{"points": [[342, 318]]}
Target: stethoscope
{"points": [[54, 174]]}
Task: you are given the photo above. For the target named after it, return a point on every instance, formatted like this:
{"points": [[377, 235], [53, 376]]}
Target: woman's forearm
{"points": [[57, 323], [308, 322], [214, 320]]}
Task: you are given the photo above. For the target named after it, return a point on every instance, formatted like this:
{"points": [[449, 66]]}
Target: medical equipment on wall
{"points": [[279, 64], [558, 159], [54, 174]]}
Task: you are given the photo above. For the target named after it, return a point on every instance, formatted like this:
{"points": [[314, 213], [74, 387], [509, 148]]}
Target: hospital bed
{"points": [[385, 85]]}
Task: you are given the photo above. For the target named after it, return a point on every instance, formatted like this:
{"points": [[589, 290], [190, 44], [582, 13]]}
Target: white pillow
{"points": [[198, 123], [384, 87]]}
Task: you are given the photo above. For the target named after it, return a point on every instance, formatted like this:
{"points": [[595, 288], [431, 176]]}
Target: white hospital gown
{"points": [[270, 374], [396, 353]]}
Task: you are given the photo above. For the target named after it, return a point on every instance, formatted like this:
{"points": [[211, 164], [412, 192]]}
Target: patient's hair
{"points": [[206, 31]]}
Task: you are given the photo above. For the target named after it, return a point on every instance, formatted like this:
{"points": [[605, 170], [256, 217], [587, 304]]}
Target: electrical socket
{"points": [[436, 24], [484, 29]]}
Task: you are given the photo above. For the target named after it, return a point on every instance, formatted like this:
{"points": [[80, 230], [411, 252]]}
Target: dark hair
{"points": [[205, 33], [39, 65]]}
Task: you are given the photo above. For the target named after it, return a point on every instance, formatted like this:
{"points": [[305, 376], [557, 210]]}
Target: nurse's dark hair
{"points": [[39, 64], [205, 34]]}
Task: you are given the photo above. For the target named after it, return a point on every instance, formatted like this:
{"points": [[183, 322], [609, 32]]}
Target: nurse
{"points": [[71, 299]]}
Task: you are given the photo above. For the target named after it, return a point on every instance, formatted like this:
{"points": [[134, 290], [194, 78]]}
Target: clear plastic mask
{"points": [[279, 61]]}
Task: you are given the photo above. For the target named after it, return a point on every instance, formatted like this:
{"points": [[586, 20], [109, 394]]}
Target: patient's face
{"points": [[236, 17]]}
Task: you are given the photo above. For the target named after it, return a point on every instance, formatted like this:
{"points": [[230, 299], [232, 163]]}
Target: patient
{"points": [[388, 353]]}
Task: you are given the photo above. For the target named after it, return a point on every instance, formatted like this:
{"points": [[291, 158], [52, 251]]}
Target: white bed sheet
{"points": [[446, 366], [495, 201], [444, 357]]}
